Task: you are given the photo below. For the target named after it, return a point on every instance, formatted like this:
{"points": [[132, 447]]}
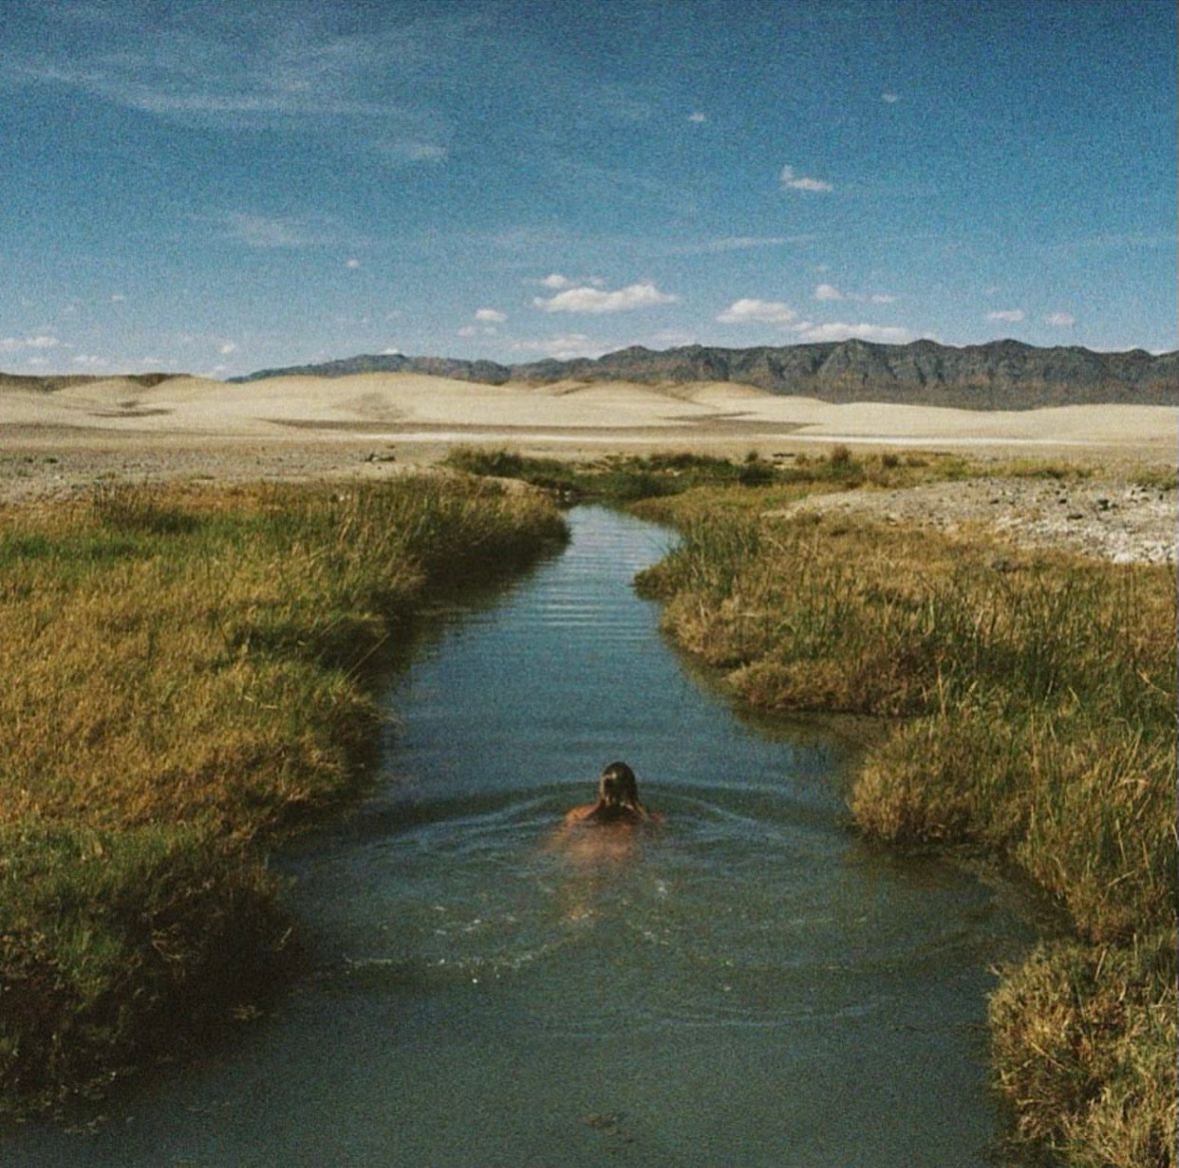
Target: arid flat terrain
{"points": [[60, 443]]}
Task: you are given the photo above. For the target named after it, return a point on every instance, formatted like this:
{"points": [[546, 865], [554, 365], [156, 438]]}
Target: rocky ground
{"points": [[1126, 519], [70, 470]]}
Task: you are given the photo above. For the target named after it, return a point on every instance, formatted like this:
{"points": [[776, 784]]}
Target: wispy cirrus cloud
{"points": [[562, 348], [283, 231], [19, 344], [598, 300], [800, 182], [830, 292], [1060, 319], [1007, 315], [271, 68]]}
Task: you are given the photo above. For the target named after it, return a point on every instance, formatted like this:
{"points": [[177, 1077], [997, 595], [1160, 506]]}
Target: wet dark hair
{"points": [[618, 792]]}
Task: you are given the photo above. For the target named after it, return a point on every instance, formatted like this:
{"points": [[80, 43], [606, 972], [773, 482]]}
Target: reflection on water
{"points": [[746, 985]]}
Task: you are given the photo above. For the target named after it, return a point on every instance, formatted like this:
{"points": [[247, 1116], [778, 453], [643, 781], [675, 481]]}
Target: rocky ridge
{"points": [[1006, 375]]}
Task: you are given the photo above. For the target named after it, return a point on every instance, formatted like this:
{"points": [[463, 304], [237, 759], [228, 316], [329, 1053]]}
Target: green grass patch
{"points": [[190, 674], [630, 478]]}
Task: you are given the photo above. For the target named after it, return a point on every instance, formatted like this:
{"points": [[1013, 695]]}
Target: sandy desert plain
{"points": [[59, 443]]}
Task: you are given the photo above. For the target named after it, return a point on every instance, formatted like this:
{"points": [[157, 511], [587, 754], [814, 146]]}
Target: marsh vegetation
{"points": [[1031, 698], [190, 674]]}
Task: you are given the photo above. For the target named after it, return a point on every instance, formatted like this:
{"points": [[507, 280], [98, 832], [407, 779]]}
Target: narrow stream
{"points": [[750, 987]]}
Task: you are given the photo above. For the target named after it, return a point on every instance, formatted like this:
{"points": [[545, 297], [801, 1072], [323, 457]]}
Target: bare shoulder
{"points": [[576, 815]]}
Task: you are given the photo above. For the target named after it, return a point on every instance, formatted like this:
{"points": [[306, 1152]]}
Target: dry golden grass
{"points": [[186, 673], [1038, 693]]}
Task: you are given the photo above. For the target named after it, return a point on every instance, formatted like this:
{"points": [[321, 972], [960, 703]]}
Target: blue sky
{"points": [[222, 187]]}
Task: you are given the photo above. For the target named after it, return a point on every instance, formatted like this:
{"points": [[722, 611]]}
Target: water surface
{"points": [[748, 986]]}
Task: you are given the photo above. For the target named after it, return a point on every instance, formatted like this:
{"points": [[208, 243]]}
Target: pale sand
{"points": [[58, 445], [407, 408]]}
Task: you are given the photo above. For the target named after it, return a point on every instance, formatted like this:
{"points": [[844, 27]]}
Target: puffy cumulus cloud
{"points": [[352, 263], [490, 315], [827, 292], [1060, 319], [1009, 315], [798, 182], [588, 299], [697, 117], [556, 281], [751, 311], [890, 98], [226, 348]]}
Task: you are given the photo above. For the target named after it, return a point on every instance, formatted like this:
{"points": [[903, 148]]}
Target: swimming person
{"points": [[618, 801]]}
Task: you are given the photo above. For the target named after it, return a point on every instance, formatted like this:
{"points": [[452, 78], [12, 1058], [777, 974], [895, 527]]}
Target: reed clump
{"points": [[188, 674], [1038, 695]]}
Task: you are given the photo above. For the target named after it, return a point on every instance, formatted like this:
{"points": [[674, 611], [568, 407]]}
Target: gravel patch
{"points": [[1123, 521]]}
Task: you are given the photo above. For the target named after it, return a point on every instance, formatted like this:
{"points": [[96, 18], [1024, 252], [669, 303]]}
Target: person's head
{"points": [[617, 787]]}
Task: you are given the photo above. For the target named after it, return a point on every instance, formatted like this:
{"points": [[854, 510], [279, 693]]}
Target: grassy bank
{"points": [[188, 674], [1034, 701], [627, 478]]}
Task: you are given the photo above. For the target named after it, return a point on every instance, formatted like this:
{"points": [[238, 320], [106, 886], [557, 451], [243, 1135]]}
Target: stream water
{"points": [[748, 986]]}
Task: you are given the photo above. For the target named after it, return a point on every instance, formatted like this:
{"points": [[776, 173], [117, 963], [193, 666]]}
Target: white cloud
{"points": [[774, 312], [673, 339], [563, 348], [830, 292], [390, 353], [1010, 315], [1061, 319], [352, 263], [13, 344], [556, 281], [491, 315], [117, 298], [801, 182], [890, 98], [227, 348], [395, 150], [596, 300], [264, 231], [839, 331], [751, 311], [698, 117]]}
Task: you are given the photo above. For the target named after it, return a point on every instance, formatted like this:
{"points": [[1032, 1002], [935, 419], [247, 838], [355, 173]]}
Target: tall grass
{"points": [[187, 674], [1038, 695]]}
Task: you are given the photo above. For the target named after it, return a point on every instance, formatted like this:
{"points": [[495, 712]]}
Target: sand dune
{"points": [[409, 408]]}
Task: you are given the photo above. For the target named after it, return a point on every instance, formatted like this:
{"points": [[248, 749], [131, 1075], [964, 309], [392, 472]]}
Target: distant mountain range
{"points": [[998, 375]]}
